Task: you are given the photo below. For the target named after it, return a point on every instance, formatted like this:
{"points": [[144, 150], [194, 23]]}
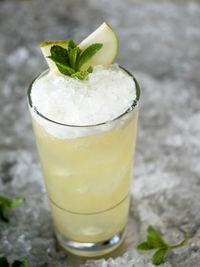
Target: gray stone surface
{"points": [[160, 44]]}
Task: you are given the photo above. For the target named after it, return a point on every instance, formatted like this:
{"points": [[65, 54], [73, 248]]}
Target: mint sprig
{"points": [[70, 60], [88, 53], [22, 262], [7, 203], [154, 241]]}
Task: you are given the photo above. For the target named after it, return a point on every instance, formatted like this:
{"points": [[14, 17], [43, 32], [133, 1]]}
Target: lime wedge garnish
{"points": [[106, 36], [46, 46], [105, 56]]}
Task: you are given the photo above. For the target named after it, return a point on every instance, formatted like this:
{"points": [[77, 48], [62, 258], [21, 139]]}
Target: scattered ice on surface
{"points": [[152, 184], [159, 43], [130, 259]]}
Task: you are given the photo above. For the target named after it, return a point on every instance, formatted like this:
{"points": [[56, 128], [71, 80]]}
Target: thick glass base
{"points": [[91, 249]]}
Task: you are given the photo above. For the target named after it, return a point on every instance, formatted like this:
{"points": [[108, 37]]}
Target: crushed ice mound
{"points": [[105, 95]]}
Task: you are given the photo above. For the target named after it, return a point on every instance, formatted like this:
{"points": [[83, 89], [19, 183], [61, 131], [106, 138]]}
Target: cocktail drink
{"points": [[85, 132]]}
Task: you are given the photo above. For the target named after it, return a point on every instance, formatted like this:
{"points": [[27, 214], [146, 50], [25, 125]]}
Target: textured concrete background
{"points": [[159, 41]]}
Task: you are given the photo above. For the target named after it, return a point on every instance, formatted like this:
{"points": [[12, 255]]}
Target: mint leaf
{"points": [[143, 246], [69, 61], [154, 240], [73, 56], [3, 215], [159, 256], [89, 53], [64, 69], [15, 202], [8, 203], [81, 75], [5, 201], [90, 69], [4, 262], [23, 262], [72, 44], [59, 55], [11, 203]]}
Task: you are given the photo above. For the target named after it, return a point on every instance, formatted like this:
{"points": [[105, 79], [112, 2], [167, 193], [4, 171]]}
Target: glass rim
{"points": [[129, 109]]}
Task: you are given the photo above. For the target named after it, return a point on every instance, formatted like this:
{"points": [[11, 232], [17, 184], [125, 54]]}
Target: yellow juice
{"points": [[88, 180]]}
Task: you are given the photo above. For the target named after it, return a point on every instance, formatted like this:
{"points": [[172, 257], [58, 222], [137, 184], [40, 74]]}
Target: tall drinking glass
{"points": [[87, 172]]}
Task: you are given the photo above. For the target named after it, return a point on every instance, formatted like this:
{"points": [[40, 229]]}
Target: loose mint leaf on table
{"points": [[7, 203], [4, 262], [155, 241], [143, 246], [15, 202], [3, 215], [159, 256], [70, 60], [23, 262]]}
